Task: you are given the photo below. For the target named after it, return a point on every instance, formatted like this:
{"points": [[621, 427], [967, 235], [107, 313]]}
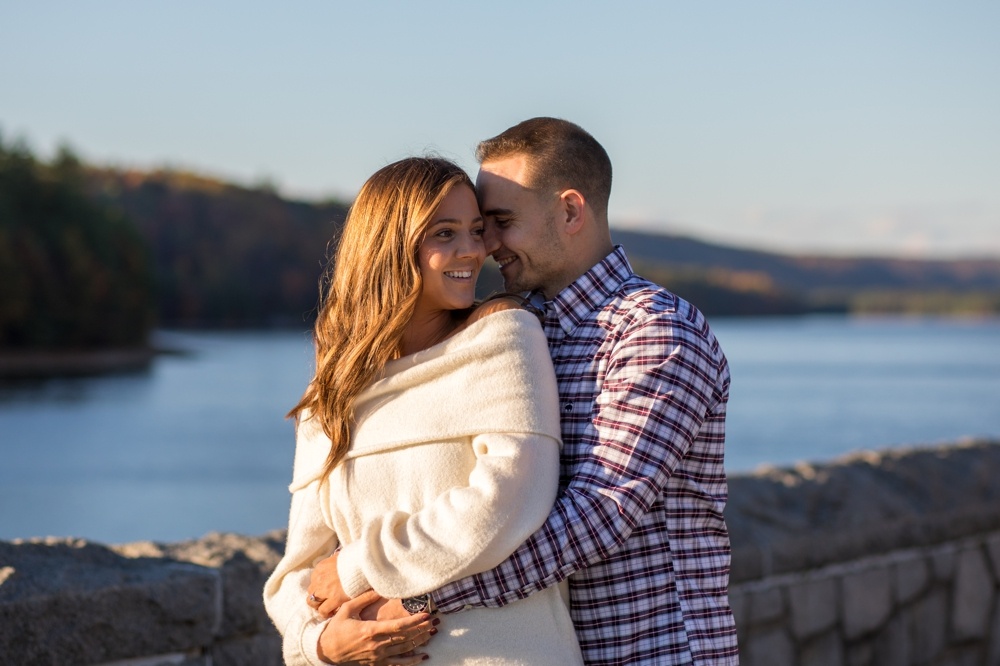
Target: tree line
{"points": [[73, 274]]}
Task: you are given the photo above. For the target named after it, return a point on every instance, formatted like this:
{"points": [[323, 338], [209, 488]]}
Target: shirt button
{"points": [[467, 607], [568, 407]]}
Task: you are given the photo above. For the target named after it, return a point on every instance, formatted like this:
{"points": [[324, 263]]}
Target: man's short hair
{"points": [[561, 155]]}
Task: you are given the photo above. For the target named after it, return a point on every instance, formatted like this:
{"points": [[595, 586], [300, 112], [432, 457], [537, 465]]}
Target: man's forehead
{"points": [[513, 168]]}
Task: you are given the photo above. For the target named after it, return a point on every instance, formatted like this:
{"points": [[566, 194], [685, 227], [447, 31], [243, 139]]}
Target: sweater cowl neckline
{"points": [[479, 380]]}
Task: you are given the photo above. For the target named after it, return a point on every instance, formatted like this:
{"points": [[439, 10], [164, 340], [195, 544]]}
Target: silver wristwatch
{"points": [[418, 604]]}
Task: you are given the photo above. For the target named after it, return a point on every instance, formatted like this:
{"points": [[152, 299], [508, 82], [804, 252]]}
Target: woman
{"points": [[428, 440]]}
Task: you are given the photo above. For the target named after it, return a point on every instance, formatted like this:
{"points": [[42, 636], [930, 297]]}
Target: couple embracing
{"points": [[536, 479]]}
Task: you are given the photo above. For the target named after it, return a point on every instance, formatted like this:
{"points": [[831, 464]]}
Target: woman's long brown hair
{"points": [[371, 289]]}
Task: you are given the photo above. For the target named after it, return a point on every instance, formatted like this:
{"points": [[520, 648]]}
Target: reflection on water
{"points": [[199, 442]]}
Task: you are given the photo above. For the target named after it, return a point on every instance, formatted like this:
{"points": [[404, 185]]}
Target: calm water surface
{"points": [[199, 443]]}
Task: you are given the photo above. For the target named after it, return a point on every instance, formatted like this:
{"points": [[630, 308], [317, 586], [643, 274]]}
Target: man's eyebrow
{"points": [[452, 220], [493, 212]]}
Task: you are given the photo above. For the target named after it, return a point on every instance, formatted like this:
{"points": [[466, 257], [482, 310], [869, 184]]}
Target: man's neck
{"points": [[582, 261]]}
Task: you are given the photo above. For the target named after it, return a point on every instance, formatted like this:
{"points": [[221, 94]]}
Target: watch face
{"points": [[415, 605]]}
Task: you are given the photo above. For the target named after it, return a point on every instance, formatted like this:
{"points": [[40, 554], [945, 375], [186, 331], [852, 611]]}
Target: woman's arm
{"points": [[306, 634], [309, 540]]}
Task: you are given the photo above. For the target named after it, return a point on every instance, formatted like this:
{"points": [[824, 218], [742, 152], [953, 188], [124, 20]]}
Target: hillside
{"points": [[224, 255], [816, 282], [227, 255], [73, 274]]}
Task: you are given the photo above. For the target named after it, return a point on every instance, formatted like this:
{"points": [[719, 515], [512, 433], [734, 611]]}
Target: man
{"points": [[643, 385]]}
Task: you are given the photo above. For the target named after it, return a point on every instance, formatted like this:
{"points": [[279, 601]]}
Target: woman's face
{"points": [[452, 253]]}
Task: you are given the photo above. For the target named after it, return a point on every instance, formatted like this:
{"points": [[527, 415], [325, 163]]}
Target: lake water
{"points": [[199, 443]]}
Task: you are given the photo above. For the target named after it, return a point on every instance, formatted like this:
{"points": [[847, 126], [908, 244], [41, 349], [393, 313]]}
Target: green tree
{"points": [[73, 274]]}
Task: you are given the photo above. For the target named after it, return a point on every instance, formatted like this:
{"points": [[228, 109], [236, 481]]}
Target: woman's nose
{"points": [[472, 246]]}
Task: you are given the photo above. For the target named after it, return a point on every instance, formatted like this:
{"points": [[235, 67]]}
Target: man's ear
{"points": [[573, 207]]}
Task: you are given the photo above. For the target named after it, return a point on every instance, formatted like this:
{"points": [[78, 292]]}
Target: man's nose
{"points": [[491, 238]]}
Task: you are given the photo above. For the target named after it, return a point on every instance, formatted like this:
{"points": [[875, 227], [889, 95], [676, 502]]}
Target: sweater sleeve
{"points": [[464, 530], [309, 540]]}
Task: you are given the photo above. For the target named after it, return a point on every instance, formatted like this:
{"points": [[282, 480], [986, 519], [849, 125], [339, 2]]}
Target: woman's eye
{"points": [[445, 233], [478, 231]]}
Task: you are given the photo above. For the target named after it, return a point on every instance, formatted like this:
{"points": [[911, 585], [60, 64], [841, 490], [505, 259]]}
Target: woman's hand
{"points": [[326, 594], [347, 639]]}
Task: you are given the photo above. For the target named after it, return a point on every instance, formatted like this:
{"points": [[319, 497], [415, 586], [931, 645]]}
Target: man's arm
{"points": [[661, 381], [466, 529]]}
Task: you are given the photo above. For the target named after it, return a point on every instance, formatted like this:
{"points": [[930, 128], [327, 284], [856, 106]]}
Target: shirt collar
{"points": [[588, 292]]}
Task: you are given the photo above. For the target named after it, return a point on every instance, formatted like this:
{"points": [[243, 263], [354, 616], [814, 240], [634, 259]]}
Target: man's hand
{"points": [[347, 639], [326, 594]]}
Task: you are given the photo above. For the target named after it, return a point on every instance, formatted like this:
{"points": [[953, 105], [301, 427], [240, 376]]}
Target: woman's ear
{"points": [[573, 206]]}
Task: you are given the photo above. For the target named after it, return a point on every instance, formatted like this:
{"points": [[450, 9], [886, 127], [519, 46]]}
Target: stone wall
{"points": [[935, 605], [198, 603], [875, 559]]}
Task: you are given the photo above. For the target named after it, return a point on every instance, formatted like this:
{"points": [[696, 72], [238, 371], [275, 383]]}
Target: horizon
{"points": [[841, 131]]}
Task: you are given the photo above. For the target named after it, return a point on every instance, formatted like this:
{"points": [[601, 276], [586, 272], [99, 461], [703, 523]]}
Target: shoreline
{"points": [[49, 364]]}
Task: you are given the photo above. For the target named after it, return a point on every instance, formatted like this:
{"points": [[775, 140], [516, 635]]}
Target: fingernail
{"points": [[433, 631], [435, 622], [425, 657]]}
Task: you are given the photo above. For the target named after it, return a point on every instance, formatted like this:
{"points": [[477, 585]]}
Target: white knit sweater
{"points": [[453, 463]]}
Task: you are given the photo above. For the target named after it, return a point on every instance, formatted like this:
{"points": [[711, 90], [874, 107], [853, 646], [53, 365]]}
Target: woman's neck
{"points": [[426, 329]]}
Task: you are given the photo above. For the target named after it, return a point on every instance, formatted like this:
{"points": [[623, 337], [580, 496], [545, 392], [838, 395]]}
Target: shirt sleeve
{"points": [[464, 530], [662, 378]]}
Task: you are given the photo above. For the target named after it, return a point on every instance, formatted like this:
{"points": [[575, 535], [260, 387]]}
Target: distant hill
{"points": [[74, 275], [227, 255], [816, 282]]}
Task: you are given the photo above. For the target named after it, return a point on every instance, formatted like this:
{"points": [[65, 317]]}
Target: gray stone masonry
{"points": [[877, 559], [65, 601], [883, 610]]}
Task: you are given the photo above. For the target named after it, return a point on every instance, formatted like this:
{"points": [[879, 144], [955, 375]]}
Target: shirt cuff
{"points": [[352, 578]]}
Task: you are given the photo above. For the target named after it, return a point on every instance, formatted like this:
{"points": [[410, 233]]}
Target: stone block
{"points": [[892, 644], [866, 601], [993, 550], [993, 646], [910, 577], [244, 564], [260, 650], [860, 654], [928, 626], [766, 605], [973, 595], [177, 659], [741, 611], [826, 650], [768, 648], [69, 601], [943, 563], [813, 604]]}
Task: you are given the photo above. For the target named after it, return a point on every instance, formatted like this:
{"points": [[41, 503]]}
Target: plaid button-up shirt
{"points": [[638, 525]]}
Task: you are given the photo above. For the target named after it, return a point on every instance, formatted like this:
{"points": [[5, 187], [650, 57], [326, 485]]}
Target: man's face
{"points": [[521, 231]]}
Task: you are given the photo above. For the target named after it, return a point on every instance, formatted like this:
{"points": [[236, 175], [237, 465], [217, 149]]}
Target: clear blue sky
{"points": [[847, 127]]}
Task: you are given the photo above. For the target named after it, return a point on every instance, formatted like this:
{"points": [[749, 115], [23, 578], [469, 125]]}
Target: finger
{"points": [[354, 607], [405, 625], [328, 608], [400, 660], [395, 653]]}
